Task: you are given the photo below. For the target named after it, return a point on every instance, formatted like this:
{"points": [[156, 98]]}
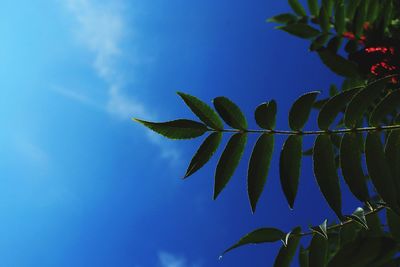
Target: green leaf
{"points": [[303, 257], [338, 64], [392, 153], [360, 19], [351, 8], [373, 11], [328, 5], [318, 251], [289, 167], [386, 106], [230, 113], [388, 14], [335, 43], [265, 115], [297, 8], [333, 107], [361, 101], [340, 20], [284, 18], [263, 235], [350, 161], [313, 7], [374, 224], [324, 20], [319, 42], [379, 170], [359, 217], [258, 167], [364, 252], [393, 221], [204, 153], [204, 112], [348, 233], [300, 30], [177, 129], [325, 173], [321, 229], [229, 161], [286, 252], [300, 110]]}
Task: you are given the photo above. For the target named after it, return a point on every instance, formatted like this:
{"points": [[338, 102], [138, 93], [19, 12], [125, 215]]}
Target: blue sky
{"points": [[82, 185]]}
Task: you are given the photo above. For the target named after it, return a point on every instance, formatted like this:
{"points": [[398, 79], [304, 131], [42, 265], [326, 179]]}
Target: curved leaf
{"points": [[325, 173], [350, 161], [204, 153], [177, 129], [284, 18], [289, 167], [300, 30], [361, 101], [297, 8], [392, 152], [300, 110], [203, 111], [321, 229], [258, 168], [230, 113], [333, 107], [338, 64], [379, 170], [265, 115], [229, 161], [364, 252], [263, 235], [358, 216], [393, 221], [318, 251], [313, 7], [385, 107], [286, 253]]}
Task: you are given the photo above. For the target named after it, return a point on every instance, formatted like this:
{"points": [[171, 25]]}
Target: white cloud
{"points": [[169, 260], [101, 29]]}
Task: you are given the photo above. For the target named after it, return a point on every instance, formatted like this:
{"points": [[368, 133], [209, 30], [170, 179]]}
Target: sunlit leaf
{"points": [[318, 251], [300, 110], [289, 167], [386, 106], [350, 161], [287, 252], [204, 153], [333, 107], [338, 64], [300, 30], [263, 235], [177, 129], [379, 170], [265, 115], [204, 112], [325, 173], [361, 101], [297, 8], [229, 161], [258, 167], [230, 113]]}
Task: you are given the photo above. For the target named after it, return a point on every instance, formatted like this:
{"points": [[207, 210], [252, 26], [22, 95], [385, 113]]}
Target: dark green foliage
{"points": [[297, 8], [318, 251], [394, 224], [284, 18], [265, 115], [288, 250], [300, 110], [177, 129], [313, 7], [300, 30], [392, 152], [338, 64], [385, 107], [230, 113], [358, 216]]}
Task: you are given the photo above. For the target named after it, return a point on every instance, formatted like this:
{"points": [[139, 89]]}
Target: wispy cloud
{"points": [[101, 29], [170, 260]]}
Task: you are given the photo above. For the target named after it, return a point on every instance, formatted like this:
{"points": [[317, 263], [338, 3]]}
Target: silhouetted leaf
{"points": [[364, 252], [177, 129], [300, 30], [318, 251], [379, 170], [340, 19], [360, 18], [258, 167], [313, 7], [286, 253], [230, 113], [392, 152], [325, 173], [393, 221], [204, 153], [321, 229], [289, 167], [348, 233], [297, 8], [284, 18], [204, 112], [265, 115], [300, 110], [263, 235], [338, 64], [324, 20], [386, 106], [335, 43], [333, 107], [303, 257], [361, 101], [359, 217], [319, 42], [350, 161], [229, 161], [374, 224]]}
